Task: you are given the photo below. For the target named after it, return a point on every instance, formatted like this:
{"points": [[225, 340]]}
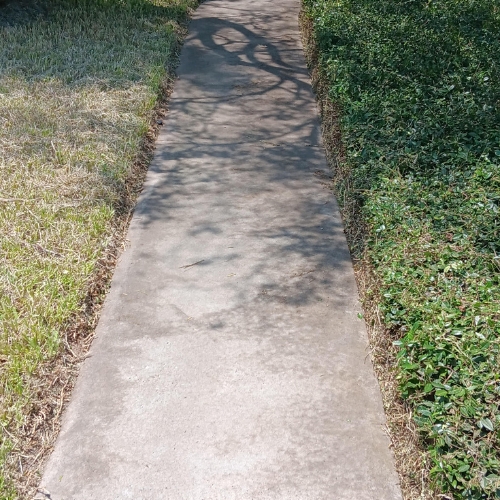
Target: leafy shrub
{"points": [[418, 83]]}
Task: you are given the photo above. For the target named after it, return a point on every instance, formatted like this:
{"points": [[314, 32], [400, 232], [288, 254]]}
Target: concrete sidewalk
{"points": [[230, 362]]}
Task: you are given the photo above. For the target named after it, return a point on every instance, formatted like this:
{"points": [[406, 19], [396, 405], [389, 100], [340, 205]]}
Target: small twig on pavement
{"points": [[191, 265]]}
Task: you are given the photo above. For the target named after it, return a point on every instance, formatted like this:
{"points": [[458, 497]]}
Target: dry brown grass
{"points": [[81, 89], [51, 387], [411, 459]]}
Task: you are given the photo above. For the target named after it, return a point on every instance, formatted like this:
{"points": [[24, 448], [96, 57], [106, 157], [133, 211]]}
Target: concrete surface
{"points": [[230, 362]]}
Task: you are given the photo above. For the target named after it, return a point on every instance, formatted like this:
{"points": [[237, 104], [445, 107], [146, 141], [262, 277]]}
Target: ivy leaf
{"points": [[486, 423]]}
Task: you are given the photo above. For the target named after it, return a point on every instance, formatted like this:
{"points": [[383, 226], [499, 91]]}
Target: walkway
{"points": [[230, 363]]}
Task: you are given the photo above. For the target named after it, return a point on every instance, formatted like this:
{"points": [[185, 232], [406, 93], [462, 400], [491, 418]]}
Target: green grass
{"points": [[418, 85], [78, 84]]}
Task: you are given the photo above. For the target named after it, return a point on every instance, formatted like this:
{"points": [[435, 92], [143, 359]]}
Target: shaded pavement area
{"points": [[230, 362]]}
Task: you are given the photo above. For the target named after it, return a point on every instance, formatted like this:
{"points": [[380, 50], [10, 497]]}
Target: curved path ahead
{"points": [[230, 362]]}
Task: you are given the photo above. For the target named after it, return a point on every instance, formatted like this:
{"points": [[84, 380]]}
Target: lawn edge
{"points": [[411, 459], [54, 381]]}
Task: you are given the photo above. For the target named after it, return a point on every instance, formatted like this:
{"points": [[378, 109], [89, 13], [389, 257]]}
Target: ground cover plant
{"points": [[79, 85], [417, 84]]}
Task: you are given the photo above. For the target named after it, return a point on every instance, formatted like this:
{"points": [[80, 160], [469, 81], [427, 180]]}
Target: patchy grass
{"points": [[79, 85], [416, 85]]}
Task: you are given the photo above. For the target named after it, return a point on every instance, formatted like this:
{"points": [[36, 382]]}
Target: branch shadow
{"points": [[241, 158]]}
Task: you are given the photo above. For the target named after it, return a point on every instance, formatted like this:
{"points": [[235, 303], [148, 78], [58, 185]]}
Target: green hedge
{"points": [[418, 83]]}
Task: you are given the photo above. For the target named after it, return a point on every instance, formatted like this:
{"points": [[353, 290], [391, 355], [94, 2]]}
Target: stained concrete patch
{"points": [[230, 362]]}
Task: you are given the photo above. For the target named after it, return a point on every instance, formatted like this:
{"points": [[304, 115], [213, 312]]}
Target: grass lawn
{"points": [[79, 82], [417, 87]]}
